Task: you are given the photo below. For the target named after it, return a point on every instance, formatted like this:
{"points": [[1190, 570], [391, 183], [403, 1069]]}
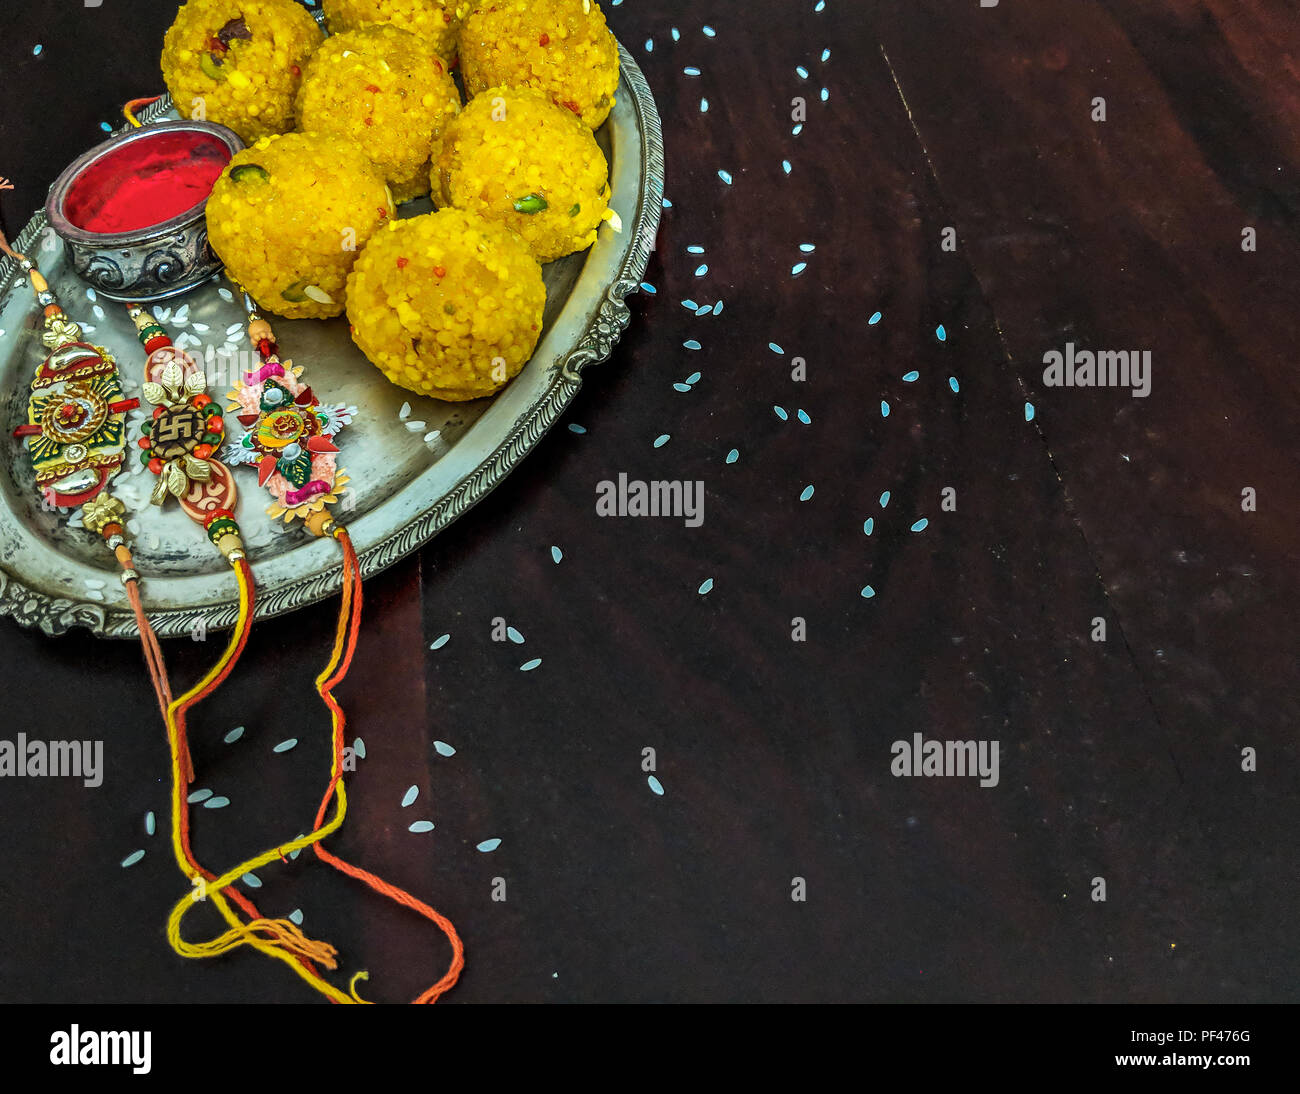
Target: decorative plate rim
{"points": [[55, 615]]}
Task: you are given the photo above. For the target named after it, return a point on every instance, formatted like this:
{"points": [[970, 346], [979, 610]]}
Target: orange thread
{"points": [[302, 949], [128, 111], [183, 739], [352, 621]]}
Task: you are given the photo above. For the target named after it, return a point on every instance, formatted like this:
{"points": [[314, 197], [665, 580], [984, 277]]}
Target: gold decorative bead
{"points": [[260, 329], [98, 513]]}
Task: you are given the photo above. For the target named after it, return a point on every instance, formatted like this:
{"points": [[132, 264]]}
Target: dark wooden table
{"points": [[1120, 759]]}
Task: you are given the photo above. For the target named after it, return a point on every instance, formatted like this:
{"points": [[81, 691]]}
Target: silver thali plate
{"points": [[415, 463]]}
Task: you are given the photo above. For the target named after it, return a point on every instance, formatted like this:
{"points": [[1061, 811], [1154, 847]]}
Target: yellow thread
{"points": [[352, 986], [128, 111], [288, 939]]}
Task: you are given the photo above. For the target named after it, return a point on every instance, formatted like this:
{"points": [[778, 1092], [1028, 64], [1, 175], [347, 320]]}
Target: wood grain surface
{"points": [[1120, 759]]}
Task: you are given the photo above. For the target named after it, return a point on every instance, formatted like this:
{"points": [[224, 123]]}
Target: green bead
{"points": [[220, 527]]}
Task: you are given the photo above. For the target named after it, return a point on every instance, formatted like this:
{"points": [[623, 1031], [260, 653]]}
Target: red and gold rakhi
{"points": [[76, 437], [179, 444], [76, 413], [179, 441]]}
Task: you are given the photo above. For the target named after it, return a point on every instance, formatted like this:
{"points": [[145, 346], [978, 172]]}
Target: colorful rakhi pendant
{"points": [[179, 441], [287, 432], [76, 427], [76, 413]]}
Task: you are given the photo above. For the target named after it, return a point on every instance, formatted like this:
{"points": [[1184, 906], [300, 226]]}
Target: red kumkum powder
{"points": [[146, 182]]}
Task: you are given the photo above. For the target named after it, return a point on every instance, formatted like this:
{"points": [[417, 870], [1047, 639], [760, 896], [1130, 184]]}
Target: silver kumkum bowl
{"points": [[152, 261]]}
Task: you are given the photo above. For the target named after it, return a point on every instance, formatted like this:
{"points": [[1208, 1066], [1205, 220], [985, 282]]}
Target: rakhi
{"points": [[76, 437], [288, 437], [178, 444]]}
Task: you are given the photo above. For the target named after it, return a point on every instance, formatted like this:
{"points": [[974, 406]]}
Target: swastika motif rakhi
{"points": [[179, 441]]}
